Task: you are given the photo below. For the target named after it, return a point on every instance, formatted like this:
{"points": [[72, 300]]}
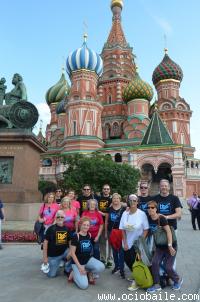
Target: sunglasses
{"points": [[143, 187], [58, 191], [86, 189], [60, 217], [151, 208], [131, 200]]}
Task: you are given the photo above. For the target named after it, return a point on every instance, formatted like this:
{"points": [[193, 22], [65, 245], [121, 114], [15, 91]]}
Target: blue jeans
{"points": [[118, 257], [93, 265], [96, 250], [54, 263]]}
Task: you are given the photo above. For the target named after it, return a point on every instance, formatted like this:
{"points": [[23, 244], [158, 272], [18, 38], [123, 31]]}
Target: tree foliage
{"points": [[97, 170], [45, 186]]}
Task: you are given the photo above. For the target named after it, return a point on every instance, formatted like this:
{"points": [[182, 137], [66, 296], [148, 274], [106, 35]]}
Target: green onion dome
{"points": [[167, 69], [137, 89], [57, 92], [60, 108]]}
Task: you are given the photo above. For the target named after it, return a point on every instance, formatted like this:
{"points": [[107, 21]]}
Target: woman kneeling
{"points": [[83, 264]]}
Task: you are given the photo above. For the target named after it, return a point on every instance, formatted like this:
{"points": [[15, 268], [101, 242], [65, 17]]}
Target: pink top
{"points": [[75, 204], [95, 221], [48, 212], [70, 218]]}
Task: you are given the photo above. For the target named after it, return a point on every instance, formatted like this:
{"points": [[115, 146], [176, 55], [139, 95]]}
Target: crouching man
{"points": [[56, 244]]}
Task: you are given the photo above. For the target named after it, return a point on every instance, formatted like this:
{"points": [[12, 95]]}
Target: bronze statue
{"points": [[18, 93], [2, 90], [17, 112]]}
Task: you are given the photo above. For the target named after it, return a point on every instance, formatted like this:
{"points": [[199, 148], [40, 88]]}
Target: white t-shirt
{"points": [[134, 225]]}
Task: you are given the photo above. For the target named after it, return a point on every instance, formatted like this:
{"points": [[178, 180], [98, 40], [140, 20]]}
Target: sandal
{"points": [[70, 278], [91, 279]]}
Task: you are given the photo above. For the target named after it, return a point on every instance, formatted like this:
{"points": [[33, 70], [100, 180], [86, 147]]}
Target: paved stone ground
{"points": [[22, 281]]}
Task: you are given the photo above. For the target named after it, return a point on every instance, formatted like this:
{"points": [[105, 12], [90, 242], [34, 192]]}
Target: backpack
{"points": [[141, 274]]}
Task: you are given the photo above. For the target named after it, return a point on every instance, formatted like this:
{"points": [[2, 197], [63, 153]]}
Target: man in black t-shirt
{"points": [[56, 244], [144, 196], [104, 202], [86, 195], [168, 205]]}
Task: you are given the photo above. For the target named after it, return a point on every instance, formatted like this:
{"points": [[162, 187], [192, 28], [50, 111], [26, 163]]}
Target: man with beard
{"points": [[104, 202]]}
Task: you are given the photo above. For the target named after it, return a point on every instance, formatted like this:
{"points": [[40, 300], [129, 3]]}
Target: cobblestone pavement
{"points": [[22, 281]]}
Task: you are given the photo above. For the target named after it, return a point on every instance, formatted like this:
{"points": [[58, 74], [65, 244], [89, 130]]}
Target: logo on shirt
{"points": [[84, 205], [61, 237], [143, 207], [165, 208], [114, 217], [103, 205], [86, 246], [93, 221]]}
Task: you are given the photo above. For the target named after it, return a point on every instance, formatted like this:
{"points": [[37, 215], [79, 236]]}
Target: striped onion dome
{"points": [[137, 89], [60, 108], [167, 69], [58, 91], [84, 58]]}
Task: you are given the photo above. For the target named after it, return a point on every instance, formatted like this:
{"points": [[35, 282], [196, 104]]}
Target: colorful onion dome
{"points": [[167, 69], [57, 92], [84, 58], [137, 89], [117, 3], [60, 108]]}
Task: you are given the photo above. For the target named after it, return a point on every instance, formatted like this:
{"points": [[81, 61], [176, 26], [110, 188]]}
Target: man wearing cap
{"points": [[56, 244]]}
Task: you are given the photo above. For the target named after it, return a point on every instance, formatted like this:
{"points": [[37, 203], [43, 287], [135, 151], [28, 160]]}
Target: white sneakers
{"points": [[45, 268], [133, 286]]}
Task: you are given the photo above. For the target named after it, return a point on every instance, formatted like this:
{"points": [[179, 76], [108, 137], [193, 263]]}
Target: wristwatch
{"points": [[169, 244]]}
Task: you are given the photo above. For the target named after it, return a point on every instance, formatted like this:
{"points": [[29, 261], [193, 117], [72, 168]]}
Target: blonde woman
{"points": [[83, 264], [71, 216], [96, 225], [48, 210], [113, 233]]}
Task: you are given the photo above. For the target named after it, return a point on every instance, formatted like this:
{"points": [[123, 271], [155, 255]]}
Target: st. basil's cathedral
{"points": [[107, 108]]}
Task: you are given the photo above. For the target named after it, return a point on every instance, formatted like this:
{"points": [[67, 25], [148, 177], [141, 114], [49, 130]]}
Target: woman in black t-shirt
{"points": [[113, 233], [83, 264], [164, 253]]}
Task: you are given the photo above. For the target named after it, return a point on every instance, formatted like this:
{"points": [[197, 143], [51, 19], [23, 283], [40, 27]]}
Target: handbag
{"points": [[39, 231], [141, 273], [160, 235], [39, 228], [115, 239]]}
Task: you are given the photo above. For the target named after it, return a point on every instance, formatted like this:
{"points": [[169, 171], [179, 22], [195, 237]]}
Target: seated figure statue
{"points": [[18, 93], [2, 90]]}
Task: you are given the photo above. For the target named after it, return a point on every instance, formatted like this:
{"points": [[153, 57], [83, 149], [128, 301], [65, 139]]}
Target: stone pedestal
{"points": [[20, 151]]}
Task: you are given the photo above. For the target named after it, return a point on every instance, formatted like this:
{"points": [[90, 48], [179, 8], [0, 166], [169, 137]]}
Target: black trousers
{"points": [[129, 257], [195, 214]]}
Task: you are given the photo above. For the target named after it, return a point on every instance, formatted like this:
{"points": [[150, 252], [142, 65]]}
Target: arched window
{"points": [[110, 99], [47, 162], [107, 127], [116, 130], [118, 158]]}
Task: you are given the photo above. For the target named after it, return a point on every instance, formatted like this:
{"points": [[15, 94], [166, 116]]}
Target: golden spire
{"points": [[85, 37], [117, 3]]}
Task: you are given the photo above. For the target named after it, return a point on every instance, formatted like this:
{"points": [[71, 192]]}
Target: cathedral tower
{"points": [[119, 69]]}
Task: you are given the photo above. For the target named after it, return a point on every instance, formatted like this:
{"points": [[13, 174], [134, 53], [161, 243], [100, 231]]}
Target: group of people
{"points": [[194, 207], [77, 229]]}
